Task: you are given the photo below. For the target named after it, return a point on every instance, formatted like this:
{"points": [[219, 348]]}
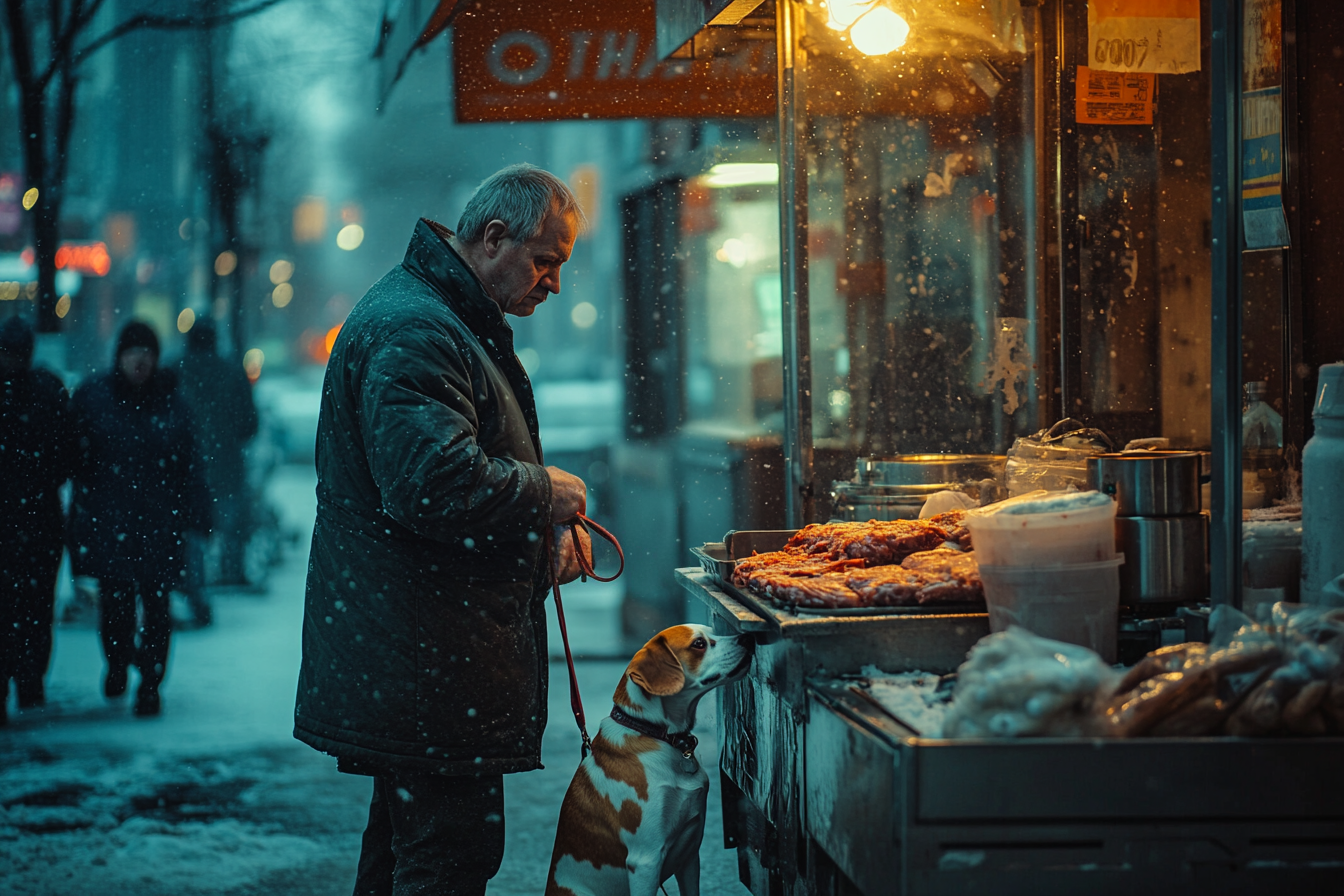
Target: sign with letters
{"points": [[518, 60]]}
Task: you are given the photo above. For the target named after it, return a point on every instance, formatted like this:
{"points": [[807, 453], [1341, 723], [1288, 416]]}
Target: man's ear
{"points": [[493, 237], [656, 669]]}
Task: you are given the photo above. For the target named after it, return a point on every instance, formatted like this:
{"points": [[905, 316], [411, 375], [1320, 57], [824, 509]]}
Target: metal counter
{"points": [[825, 793]]}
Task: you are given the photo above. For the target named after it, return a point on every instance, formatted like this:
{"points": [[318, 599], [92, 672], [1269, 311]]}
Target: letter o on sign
{"points": [[541, 49]]}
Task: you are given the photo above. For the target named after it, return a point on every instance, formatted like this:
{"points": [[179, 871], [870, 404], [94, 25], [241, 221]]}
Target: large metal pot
{"points": [[1165, 558], [1148, 483]]}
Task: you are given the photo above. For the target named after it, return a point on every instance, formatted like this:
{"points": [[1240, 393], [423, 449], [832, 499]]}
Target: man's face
{"points": [[521, 274], [137, 364]]}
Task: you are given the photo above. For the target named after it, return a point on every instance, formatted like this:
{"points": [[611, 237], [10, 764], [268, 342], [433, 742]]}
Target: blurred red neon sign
{"points": [[84, 258]]}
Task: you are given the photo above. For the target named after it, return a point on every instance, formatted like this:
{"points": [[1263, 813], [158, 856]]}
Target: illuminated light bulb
{"points": [[281, 271], [742, 174], [282, 294], [840, 14], [63, 306], [878, 32], [253, 359], [349, 237], [584, 315], [186, 320], [225, 263], [30, 199]]}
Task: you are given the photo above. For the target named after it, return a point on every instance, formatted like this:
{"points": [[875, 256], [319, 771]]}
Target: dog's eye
{"points": [[699, 644]]}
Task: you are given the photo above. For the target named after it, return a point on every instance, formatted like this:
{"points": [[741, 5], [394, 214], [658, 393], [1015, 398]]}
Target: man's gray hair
{"points": [[521, 196]]}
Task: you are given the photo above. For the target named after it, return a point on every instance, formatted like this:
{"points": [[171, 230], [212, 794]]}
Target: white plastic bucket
{"points": [[1002, 537], [1078, 603]]}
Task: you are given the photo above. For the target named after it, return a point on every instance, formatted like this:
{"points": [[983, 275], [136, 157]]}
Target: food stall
{"points": [[995, 216]]}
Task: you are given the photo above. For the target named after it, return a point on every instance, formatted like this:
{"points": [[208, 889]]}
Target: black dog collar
{"points": [[683, 742]]}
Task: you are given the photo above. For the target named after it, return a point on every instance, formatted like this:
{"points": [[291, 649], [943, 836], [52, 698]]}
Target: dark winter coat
{"points": [[138, 486], [35, 454], [424, 635], [223, 415]]}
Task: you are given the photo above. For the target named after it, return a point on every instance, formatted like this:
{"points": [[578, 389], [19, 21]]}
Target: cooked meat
{"points": [[877, 542], [953, 522], [828, 590], [787, 563]]}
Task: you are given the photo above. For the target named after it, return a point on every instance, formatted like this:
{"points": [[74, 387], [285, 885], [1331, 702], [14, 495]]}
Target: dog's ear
{"points": [[656, 669]]}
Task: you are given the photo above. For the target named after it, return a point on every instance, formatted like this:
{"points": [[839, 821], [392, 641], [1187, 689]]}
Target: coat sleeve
{"points": [[420, 424]]}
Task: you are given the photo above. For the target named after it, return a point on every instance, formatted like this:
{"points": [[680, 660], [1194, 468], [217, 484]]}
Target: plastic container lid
{"points": [[1330, 392]]}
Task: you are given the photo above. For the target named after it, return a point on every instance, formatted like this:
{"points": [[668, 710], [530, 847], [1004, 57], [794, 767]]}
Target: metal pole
{"points": [[1225, 527], [798, 489]]}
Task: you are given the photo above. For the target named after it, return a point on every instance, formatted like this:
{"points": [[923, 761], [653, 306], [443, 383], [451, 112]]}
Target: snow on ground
{"points": [[216, 797]]}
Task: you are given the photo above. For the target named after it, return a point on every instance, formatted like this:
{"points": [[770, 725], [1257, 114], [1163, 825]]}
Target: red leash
{"points": [[585, 572]]}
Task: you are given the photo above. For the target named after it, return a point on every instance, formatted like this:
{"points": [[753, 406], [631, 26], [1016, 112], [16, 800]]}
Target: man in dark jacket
{"points": [[224, 419], [138, 489], [35, 453], [424, 636]]}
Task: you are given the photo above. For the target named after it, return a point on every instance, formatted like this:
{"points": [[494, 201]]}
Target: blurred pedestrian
{"points": [[224, 419], [35, 455], [138, 488], [424, 633]]}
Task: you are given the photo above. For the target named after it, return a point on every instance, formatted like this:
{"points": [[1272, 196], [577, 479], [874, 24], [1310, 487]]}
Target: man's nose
{"points": [[552, 281]]}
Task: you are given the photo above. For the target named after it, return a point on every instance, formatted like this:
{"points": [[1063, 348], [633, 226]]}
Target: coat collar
{"points": [[431, 258]]}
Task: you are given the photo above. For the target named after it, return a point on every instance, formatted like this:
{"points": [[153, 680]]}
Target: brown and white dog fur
{"points": [[634, 815]]}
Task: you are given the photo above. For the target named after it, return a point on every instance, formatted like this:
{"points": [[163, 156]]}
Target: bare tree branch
{"points": [[155, 22]]}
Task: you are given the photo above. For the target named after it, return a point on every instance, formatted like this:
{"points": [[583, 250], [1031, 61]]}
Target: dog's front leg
{"points": [[688, 876], [644, 876]]}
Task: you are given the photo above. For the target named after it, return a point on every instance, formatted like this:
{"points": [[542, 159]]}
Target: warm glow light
{"points": [[226, 263], [878, 32], [252, 361], [84, 258], [186, 320], [840, 14], [30, 199], [350, 236], [733, 251], [741, 174], [63, 306], [310, 220], [281, 270], [281, 295], [584, 315], [330, 341]]}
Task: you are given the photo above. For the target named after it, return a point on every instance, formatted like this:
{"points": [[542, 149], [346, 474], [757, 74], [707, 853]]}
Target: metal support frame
{"points": [[798, 485], [1225, 528]]}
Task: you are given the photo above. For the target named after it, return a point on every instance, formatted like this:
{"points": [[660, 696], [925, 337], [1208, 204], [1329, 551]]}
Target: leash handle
{"points": [[586, 569]]}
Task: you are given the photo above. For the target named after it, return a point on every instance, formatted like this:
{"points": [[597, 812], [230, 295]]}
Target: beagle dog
{"points": [[634, 815]]}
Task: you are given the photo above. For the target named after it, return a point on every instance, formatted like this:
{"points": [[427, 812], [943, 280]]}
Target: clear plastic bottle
{"points": [[1261, 447], [1323, 494]]}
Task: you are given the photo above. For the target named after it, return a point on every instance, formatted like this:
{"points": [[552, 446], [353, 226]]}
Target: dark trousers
{"points": [[432, 834], [28, 567], [116, 626]]}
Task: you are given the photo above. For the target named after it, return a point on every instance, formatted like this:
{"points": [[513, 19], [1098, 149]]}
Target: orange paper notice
{"points": [[1115, 97], [1160, 36]]}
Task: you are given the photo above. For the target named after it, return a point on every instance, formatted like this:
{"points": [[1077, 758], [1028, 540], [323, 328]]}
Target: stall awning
{"points": [[407, 26]]}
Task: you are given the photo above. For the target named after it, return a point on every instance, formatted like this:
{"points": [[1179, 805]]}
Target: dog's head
{"points": [[689, 660]]}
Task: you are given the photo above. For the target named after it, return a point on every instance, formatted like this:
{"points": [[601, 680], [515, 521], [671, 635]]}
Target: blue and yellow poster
{"points": [[1262, 215]]}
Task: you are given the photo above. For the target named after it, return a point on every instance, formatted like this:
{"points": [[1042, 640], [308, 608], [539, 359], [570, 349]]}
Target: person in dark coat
{"points": [[138, 488], [224, 419], [424, 635], [35, 454]]}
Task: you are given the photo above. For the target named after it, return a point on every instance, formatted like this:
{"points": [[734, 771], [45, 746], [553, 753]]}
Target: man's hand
{"points": [[569, 562], [569, 496]]}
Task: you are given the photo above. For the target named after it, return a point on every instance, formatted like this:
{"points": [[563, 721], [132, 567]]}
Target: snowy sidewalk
{"points": [[215, 796]]}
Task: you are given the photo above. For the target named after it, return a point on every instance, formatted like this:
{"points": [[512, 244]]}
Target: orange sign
{"points": [[519, 60], [1115, 97]]}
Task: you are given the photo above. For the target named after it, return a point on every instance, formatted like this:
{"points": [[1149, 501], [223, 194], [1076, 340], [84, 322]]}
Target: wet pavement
{"points": [[215, 796]]}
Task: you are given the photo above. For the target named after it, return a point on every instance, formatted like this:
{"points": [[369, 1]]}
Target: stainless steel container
{"points": [[1165, 558], [895, 488], [1148, 483]]}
